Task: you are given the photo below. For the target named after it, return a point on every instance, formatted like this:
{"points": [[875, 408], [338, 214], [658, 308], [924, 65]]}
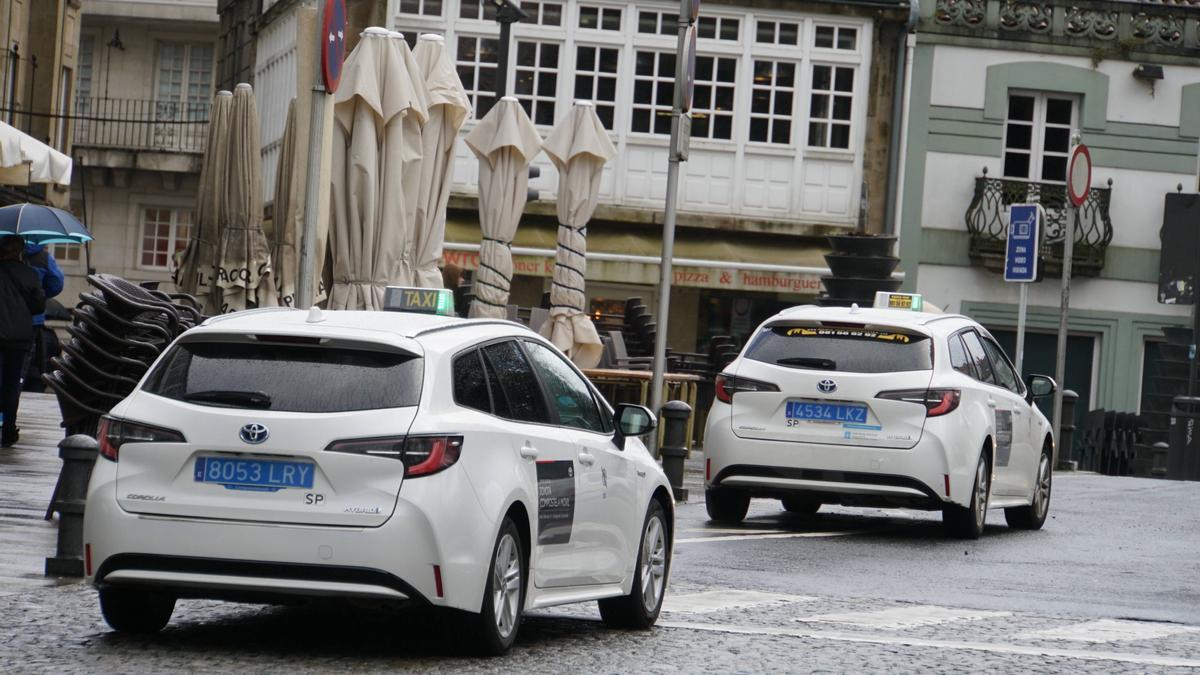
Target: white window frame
{"points": [[173, 236], [833, 92], [601, 11], [594, 72], [772, 116], [534, 101], [1037, 152], [421, 5], [777, 31], [474, 93]]}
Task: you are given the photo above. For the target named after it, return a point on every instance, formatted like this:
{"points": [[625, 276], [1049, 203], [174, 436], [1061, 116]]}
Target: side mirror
{"points": [[1039, 386], [632, 420]]}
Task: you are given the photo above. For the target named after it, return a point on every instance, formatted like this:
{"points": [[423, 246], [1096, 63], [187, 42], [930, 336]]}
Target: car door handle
{"points": [[991, 403], [587, 458], [1017, 411], [641, 473], [529, 452]]}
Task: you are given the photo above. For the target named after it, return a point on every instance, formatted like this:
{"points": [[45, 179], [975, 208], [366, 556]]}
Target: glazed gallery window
{"points": [[421, 7], [835, 37], [543, 13], [600, 18], [477, 59], [772, 100], [831, 103], [535, 80], [1037, 136], [184, 74], [480, 11], [712, 101], [777, 33], [653, 89], [165, 232], [596, 79]]}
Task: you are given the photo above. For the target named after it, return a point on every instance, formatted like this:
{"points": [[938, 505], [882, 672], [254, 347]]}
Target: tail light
{"points": [[728, 385], [936, 401], [113, 433], [422, 455]]}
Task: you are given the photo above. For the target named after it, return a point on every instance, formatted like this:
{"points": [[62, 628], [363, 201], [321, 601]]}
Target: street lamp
{"points": [[507, 14]]}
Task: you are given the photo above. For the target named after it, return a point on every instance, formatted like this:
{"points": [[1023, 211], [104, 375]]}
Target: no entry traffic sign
{"points": [[333, 47], [1079, 175]]}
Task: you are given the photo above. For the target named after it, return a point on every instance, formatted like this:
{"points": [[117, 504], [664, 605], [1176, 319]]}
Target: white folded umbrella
{"points": [[196, 273], [285, 257], [25, 160]]}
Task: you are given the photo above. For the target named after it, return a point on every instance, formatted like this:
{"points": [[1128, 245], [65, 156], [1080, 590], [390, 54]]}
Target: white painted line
{"points": [[899, 618], [781, 535], [1111, 630], [735, 530], [727, 598], [997, 648]]}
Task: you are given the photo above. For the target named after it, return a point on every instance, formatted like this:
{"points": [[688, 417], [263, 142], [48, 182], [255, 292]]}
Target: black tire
{"points": [[136, 611], [967, 523], [725, 505], [804, 506], [1032, 517], [639, 610], [490, 636]]}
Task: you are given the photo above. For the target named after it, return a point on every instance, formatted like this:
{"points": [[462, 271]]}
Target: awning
{"points": [[25, 160], [703, 259]]}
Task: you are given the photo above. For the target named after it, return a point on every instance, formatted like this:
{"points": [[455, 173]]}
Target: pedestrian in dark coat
{"points": [[51, 279], [21, 298]]}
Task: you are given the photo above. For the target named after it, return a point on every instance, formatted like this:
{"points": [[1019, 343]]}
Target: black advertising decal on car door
{"points": [[556, 501], [1004, 433]]}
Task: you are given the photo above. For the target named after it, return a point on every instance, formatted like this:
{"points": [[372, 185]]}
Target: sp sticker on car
{"points": [[556, 501], [1004, 436]]}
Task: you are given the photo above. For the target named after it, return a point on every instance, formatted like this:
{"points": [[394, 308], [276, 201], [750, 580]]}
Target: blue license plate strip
{"points": [[826, 412], [254, 474]]}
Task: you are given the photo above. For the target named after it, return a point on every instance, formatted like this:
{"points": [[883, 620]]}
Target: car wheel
{"points": [[1032, 517], [640, 608], [134, 611], [495, 626], [725, 505], [967, 523], [805, 506]]}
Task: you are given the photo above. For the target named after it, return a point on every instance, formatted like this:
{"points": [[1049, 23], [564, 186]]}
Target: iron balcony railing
{"points": [[139, 124], [987, 222]]}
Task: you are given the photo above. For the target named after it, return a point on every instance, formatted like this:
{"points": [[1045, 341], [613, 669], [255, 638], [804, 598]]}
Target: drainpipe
{"points": [[893, 175]]}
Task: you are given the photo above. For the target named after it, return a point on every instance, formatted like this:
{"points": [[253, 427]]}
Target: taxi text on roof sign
{"points": [[887, 300], [438, 301]]}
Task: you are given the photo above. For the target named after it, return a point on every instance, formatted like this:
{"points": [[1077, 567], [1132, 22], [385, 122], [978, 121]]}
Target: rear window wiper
{"points": [[248, 399], [808, 362]]}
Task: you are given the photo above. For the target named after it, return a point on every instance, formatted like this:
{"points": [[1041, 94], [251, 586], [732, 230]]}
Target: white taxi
{"points": [[879, 407], [278, 454]]}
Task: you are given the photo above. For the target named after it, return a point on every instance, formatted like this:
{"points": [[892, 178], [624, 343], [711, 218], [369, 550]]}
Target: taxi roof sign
{"points": [[888, 300], [439, 301]]}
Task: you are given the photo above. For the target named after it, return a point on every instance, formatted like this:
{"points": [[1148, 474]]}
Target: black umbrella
{"points": [[39, 224]]}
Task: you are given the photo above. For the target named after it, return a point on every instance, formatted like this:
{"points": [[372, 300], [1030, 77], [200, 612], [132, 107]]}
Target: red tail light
{"points": [[936, 401], [113, 433], [422, 455], [728, 385]]}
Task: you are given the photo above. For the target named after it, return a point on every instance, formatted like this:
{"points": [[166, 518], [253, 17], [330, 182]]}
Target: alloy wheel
{"points": [[1041, 493], [654, 564], [506, 585], [981, 494]]}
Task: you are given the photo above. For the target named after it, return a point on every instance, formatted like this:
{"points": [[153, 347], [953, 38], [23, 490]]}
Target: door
{"points": [[607, 531], [1007, 408]]}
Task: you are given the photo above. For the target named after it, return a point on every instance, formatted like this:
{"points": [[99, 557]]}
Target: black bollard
{"points": [[78, 453], [1066, 433], [674, 448]]}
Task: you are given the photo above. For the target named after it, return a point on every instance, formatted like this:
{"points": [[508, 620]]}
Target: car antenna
{"points": [[854, 308], [315, 315]]}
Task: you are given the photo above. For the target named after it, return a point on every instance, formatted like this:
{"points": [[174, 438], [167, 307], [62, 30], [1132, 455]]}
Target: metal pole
{"points": [[1021, 330], [306, 276], [668, 245], [1060, 359], [502, 60]]}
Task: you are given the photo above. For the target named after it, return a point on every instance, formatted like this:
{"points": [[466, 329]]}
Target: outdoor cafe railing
{"points": [[140, 124]]}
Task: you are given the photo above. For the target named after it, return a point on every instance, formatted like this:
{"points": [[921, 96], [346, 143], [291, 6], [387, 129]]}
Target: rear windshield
{"points": [[290, 378], [852, 350]]}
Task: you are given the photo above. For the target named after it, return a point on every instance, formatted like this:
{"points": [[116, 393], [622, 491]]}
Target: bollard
{"points": [[1066, 432], [78, 453], [674, 449]]}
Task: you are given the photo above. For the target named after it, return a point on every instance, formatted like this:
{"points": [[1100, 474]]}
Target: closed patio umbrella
{"points": [[448, 109], [505, 141], [196, 273], [244, 269], [378, 110], [285, 259], [579, 147]]}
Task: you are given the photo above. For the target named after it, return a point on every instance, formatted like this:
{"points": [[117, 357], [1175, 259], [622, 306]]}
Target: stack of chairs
{"points": [[639, 328], [116, 331]]}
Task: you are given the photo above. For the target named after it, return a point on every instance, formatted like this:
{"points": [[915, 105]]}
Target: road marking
{"points": [[780, 535], [1111, 630], [739, 530], [716, 601], [899, 618], [998, 648]]}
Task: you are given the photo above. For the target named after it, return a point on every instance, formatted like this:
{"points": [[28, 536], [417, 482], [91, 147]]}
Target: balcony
{"points": [[987, 222], [140, 125]]}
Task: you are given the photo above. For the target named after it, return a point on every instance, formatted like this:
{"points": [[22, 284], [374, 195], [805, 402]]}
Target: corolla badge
{"points": [[827, 386], [254, 433]]}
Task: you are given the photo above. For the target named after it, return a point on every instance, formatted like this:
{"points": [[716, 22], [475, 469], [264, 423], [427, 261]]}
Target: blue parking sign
{"points": [[1024, 237]]}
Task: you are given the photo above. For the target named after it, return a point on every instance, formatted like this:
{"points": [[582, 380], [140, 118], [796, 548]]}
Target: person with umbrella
{"points": [[21, 298], [39, 258]]}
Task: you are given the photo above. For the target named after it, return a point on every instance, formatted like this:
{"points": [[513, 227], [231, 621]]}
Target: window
{"points": [[718, 28], [658, 23], [1005, 375], [67, 253], [470, 383], [294, 378], [83, 83], [712, 102], [1037, 137], [602, 18], [184, 80], [836, 37], [519, 396], [477, 58], [832, 94], [165, 232], [536, 79], [543, 13], [772, 98], [983, 368], [64, 109], [777, 33], [480, 11], [596, 79], [653, 89], [958, 356], [851, 350], [421, 7], [569, 394]]}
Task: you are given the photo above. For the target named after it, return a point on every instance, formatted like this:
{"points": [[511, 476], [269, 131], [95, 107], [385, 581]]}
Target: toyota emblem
{"points": [[254, 433], [827, 386]]}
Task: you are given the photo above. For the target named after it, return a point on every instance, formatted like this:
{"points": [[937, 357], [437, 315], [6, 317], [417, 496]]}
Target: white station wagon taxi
{"points": [[879, 407], [391, 456]]}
